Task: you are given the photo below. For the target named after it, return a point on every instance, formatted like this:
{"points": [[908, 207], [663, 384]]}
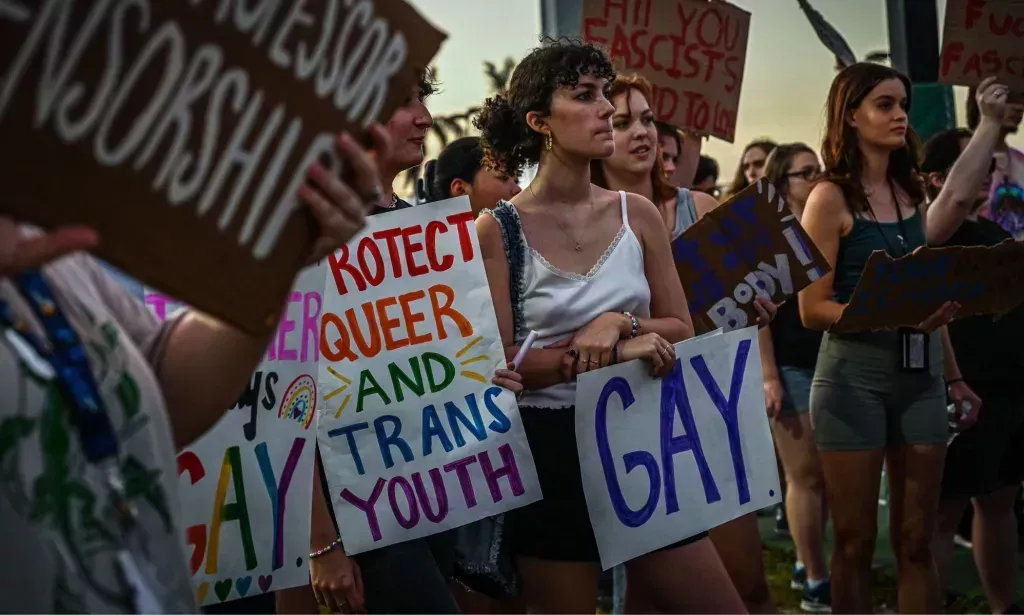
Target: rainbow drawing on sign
{"points": [[299, 402]]}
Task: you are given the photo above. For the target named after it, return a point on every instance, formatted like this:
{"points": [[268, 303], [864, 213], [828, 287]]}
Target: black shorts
{"points": [[989, 455], [557, 527]]}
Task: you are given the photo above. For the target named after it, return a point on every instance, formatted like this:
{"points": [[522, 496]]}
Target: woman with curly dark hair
{"points": [[591, 271], [877, 396]]}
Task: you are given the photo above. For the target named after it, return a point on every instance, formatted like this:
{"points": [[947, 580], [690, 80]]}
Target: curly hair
{"points": [[840, 151], [509, 142]]}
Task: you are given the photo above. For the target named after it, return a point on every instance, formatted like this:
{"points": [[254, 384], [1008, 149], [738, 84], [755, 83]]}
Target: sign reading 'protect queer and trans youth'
{"points": [[692, 51], [665, 459], [414, 438], [183, 130], [751, 245], [246, 485]]}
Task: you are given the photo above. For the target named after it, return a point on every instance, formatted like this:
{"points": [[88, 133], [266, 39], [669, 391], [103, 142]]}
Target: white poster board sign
{"points": [[663, 460], [413, 436], [246, 485]]}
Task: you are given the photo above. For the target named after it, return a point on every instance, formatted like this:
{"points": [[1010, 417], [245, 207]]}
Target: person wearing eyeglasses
{"points": [[985, 464], [751, 166], [789, 352]]}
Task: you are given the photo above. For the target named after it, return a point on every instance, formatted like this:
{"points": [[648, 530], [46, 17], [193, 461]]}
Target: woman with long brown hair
{"points": [[879, 396], [751, 166], [637, 167]]}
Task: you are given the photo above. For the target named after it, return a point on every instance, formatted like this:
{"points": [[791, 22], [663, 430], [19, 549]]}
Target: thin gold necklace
{"points": [[578, 241]]}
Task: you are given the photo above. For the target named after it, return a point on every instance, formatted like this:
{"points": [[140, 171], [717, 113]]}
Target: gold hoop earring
{"points": [[549, 142]]}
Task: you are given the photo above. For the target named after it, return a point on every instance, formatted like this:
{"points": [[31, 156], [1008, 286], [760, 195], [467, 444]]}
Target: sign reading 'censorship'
{"points": [[181, 131], [752, 245], [693, 51]]}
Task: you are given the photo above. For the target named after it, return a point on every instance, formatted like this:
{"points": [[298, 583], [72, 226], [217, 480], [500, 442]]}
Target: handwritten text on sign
{"points": [[693, 51], [982, 38], [751, 245], [414, 438], [246, 485], [203, 118], [665, 459]]}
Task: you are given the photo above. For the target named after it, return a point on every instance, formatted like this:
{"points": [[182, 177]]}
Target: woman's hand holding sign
{"points": [[653, 348], [340, 208], [20, 252]]}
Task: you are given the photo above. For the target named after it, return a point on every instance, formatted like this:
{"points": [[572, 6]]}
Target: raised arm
{"points": [[959, 193], [540, 367], [825, 219]]}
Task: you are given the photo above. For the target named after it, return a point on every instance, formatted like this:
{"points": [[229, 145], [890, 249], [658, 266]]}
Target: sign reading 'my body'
{"points": [[983, 38], [413, 436], [751, 245], [246, 485], [182, 130], [693, 52], [665, 459]]}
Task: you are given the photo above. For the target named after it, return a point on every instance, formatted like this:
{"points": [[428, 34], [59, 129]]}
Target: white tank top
{"points": [[557, 303]]}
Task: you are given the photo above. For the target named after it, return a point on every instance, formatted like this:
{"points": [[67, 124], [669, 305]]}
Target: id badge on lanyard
{"points": [[65, 363], [914, 350]]}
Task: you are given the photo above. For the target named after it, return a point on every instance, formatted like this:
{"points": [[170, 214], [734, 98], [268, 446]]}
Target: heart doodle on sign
{"points": [[201, 591], [242, 585], [265, 581], [223, 589]]}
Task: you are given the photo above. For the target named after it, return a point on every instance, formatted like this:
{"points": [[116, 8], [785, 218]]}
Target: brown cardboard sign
{"points": [[982, 38], [693, 51], [751, 245], [903, 292], [182, 131]]}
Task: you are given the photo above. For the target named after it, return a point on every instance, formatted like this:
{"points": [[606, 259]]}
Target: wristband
{"points": [[335, 544], [635, 324], [953, 381]]}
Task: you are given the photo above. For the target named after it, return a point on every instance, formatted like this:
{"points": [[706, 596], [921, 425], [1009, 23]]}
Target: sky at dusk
{"points": [[787, 76]]}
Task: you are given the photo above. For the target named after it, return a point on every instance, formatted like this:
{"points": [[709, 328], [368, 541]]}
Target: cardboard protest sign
{"points": [[903, 292], [693, 52], [751, 245], [181, 131], [413, 436], [246, 485], [665, 459], [982, 38]]}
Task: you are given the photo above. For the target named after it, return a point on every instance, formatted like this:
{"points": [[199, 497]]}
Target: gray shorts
{"points": [[860, 400]]}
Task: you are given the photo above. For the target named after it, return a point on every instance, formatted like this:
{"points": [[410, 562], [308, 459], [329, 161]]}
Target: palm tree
{"points": [[834, 41], [457, 125]]}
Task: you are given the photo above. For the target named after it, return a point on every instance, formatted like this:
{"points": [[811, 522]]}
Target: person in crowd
{"points": [[706, 179], [871, 402], [634, 167], [680, 152], [789, 352], [984, 464], [1005, 204], [751, 167], [591, 271], [412, 576], [459, 171], [99, 396]]}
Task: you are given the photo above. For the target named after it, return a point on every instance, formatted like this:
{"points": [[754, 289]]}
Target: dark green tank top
{"points": [[867, 236]]}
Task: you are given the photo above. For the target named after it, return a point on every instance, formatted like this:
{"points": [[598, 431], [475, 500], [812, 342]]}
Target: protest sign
{"points": [[751, 245], [409, 343], [699, 438], [903, 292], [246, 485], [182, 131], [983, 38], [692, 51]]}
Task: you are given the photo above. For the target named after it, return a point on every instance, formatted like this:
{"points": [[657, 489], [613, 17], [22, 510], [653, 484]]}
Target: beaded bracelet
{"points": [[327, 549], [635, 324]]}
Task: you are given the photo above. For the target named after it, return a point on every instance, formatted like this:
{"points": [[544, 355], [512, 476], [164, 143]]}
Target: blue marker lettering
{"points": [[675, 401], [349, 432], [385, 440]]}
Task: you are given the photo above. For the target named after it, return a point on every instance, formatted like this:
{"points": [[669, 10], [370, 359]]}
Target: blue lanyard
{"points": [[71, 365]]}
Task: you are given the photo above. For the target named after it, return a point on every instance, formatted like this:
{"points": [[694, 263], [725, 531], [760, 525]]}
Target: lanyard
{"points": [[899, 218], [70, 365]]}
